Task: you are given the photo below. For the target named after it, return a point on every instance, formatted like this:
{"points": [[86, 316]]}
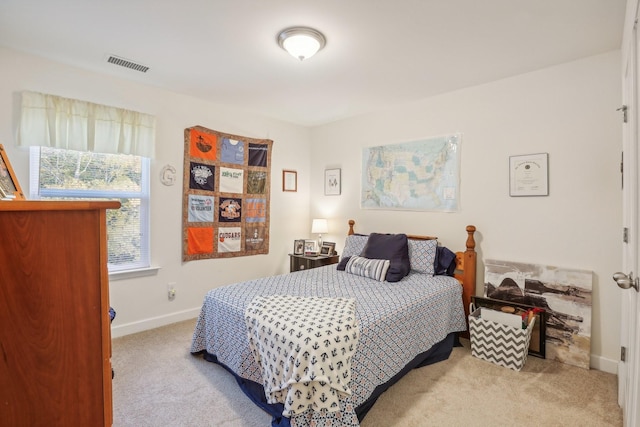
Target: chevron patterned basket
{"points": [[497, 343]]}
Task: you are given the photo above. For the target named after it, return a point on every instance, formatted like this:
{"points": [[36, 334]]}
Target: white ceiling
{"points": [[379, 53]]}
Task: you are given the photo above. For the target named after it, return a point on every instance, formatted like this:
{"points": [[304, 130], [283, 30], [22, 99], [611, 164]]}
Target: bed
{"points": [[401, 321]]}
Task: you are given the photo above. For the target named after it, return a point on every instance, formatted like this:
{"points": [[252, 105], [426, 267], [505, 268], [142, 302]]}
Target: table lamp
{"points": [[319, 226]]}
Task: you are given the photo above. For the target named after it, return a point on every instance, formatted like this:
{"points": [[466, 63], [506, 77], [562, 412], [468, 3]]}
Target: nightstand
{"points": [[303, 262]]}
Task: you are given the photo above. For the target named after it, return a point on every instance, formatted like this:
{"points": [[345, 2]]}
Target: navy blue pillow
{"points": [[445, 263], [343, 263], [393, 247]]}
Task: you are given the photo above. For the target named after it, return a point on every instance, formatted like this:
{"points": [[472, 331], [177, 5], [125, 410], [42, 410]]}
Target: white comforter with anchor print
{"points": [[304, 346]]}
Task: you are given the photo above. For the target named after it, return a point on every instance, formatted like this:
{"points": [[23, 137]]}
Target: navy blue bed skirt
{"points": [[439, 352]]}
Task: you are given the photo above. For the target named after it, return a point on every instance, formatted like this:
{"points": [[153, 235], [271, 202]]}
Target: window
{"points": [[66, 137], [67, 174]]}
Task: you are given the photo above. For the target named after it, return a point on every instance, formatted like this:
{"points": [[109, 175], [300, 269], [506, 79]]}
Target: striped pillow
{"points": [[371, 268]]}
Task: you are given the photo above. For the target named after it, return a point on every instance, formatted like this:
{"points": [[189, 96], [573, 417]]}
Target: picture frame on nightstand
{"points": [[310, 247], [327, 248], [298, 247]]}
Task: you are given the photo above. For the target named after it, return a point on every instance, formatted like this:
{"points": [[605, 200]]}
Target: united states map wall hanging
{"points": [[225, 208]]}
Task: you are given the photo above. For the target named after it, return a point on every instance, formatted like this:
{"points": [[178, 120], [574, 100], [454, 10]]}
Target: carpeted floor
{"points": [[159, 383]]}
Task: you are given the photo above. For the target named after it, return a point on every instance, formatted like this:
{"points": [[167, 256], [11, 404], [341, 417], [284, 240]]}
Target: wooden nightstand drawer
{"points": [[302, 262]]}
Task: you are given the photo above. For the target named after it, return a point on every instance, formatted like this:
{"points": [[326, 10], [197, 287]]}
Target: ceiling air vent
{"points": [[128, 64]]}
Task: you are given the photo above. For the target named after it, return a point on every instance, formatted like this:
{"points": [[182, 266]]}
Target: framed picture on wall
{"points": [[529, 175], [332, 184], [289, 180], [8, 181]]}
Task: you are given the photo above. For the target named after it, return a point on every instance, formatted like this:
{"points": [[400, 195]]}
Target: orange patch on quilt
{"points": [[203, 145], [199, 240]]}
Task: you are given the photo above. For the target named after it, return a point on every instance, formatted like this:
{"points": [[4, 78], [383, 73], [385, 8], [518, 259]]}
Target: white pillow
{"points": [[371, 268], [354, 244], [422, 255]]}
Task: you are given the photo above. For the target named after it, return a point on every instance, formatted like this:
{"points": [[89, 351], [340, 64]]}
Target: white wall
{"points": [[568, 111], [142, 303]]}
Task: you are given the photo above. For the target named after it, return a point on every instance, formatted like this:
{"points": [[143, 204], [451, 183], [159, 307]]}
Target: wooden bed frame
{"points": [[465, 266]]}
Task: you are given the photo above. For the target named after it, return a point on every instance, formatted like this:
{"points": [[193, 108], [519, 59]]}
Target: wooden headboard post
{"points": [[351, 224], [468, 272], [465, 267]]}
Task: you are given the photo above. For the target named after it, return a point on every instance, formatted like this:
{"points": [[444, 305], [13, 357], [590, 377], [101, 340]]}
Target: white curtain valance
{"points": [[53, 121]]}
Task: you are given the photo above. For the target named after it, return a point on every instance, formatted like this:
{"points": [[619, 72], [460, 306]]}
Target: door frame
{"points": [[629, 369]]}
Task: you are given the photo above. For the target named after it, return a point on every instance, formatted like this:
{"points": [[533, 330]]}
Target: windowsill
{"points": [[130, 274]]}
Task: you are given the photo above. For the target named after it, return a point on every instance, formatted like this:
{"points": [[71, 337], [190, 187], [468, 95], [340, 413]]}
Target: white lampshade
{"points": [[301, 42], [319, 226]]}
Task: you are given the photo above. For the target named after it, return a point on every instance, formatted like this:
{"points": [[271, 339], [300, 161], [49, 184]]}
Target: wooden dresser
{"points": [[55, 335]]}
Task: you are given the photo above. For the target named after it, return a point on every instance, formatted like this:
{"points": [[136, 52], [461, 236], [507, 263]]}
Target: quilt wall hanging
{"points": [[225, 207]]}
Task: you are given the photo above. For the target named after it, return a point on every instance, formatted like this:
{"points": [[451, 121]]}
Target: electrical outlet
{"points": [[171, 291]]}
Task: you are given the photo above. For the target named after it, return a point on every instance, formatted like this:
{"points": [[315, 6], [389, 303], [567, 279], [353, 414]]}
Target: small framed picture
{"points": [[298, 247], [8, 181], [529, 175], [327, 248], [332, 182], [310, 247], [289, 180]]}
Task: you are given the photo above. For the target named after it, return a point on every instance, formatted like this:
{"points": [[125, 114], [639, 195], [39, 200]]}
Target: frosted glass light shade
{"points": [[319, 226], [301, 42]]}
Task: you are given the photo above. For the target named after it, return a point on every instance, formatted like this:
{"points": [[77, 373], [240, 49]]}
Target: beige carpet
{"points": [[159, 383]]}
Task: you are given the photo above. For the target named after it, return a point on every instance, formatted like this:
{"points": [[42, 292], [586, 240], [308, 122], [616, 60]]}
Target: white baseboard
{"points": [[153, 322], [606, 365]]}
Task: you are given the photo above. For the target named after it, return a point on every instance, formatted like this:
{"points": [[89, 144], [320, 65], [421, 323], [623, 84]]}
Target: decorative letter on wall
{"points": [[225, 208]]}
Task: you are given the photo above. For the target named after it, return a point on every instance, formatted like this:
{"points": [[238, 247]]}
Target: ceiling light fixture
{"points": [[301, 42]]}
